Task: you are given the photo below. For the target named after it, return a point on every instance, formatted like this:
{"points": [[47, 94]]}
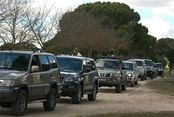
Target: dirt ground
{"points": [[137, 99]]}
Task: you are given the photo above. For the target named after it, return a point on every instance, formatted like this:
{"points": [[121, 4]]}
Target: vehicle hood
{"points": [[65, 74], [140, 67], [128, 72], [108, 71], [11, 74]]}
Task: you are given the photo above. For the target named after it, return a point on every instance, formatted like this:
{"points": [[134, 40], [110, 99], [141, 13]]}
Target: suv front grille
{"points": [[105, 74], [102, 74], [61, 78]]}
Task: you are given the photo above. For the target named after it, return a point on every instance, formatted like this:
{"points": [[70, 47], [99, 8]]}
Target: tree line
{"points": [[105, 29], [93, 29]]}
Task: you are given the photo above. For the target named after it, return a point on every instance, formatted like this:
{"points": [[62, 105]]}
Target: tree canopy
{"points": [[100, 28]]}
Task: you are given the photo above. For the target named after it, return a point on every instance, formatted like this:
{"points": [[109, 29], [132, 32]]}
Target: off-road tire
{"points": [[50, 103], [118, 88], [92, 97], [136, 82], [132, 84], [19, 107], [76, 98], [123, 87]]}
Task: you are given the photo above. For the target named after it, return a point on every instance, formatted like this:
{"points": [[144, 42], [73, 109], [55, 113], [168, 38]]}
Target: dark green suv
{"points": [[26, 76], [79, 77]]}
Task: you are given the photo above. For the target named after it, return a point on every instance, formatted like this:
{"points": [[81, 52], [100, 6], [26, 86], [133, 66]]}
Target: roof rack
{"points": [[115, 57]]}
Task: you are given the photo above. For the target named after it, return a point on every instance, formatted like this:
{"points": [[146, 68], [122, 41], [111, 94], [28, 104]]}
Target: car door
{"points": [[136, 71], [35, 82], [54, 68], [55, 73], [45, 73]]}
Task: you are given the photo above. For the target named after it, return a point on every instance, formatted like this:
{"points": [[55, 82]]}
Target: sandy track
{"points": [[137, 99]]}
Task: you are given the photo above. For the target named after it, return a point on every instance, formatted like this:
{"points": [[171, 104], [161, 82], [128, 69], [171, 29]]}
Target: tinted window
{"points": [[128, 66], [158, 65], [69, 64], [35, 61], [99, 63], [139, 63], [148, 62], [53, 62], [44, 63], [14, 61], [108, 64]]}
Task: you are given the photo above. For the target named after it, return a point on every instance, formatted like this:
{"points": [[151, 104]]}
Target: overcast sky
{"points": [[157, 15]]}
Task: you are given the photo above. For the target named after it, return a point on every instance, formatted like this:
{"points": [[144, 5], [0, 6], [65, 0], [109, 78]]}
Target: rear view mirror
{"points": [[35, 68]]}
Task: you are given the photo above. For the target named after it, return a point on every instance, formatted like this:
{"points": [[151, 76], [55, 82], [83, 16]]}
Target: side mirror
{"points": [[93, 68], [34, 68]]}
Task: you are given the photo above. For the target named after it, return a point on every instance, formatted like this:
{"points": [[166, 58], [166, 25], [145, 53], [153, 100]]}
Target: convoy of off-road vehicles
{"points": [[28, 76]]}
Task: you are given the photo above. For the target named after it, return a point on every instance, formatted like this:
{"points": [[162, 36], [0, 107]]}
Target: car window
{"points": [[35, 61], [44, 63], [148, 62], [53, 61], [112, 64], [69, 64], [128, 66], [139, 63], [158, 65], [99, 63], [14, 61]]}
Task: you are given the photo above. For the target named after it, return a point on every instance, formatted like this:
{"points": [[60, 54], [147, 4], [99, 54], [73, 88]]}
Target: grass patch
{"points": [[163, 86], [160, 114], [168, 74]]}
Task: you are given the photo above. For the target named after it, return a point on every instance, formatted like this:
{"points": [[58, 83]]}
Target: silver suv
{"points": [[142, 68], [110, 74], [131, 71]]}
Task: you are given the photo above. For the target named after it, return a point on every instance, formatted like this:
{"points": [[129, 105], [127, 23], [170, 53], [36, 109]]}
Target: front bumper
{"points": [[8, 94], [149, 73], [159, 73], [69, 88], [103, 81], [140, 74], [130, 79]]}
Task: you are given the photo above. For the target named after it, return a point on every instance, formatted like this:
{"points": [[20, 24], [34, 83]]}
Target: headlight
{"points": [[7, 83], [130, 75], [69, 79]]}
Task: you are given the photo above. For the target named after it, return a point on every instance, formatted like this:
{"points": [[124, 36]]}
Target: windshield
{"points": [[139, 63], [69, 64], [148, 62], [158, 65], [108, 64], [14, 61], [128, 66]]}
